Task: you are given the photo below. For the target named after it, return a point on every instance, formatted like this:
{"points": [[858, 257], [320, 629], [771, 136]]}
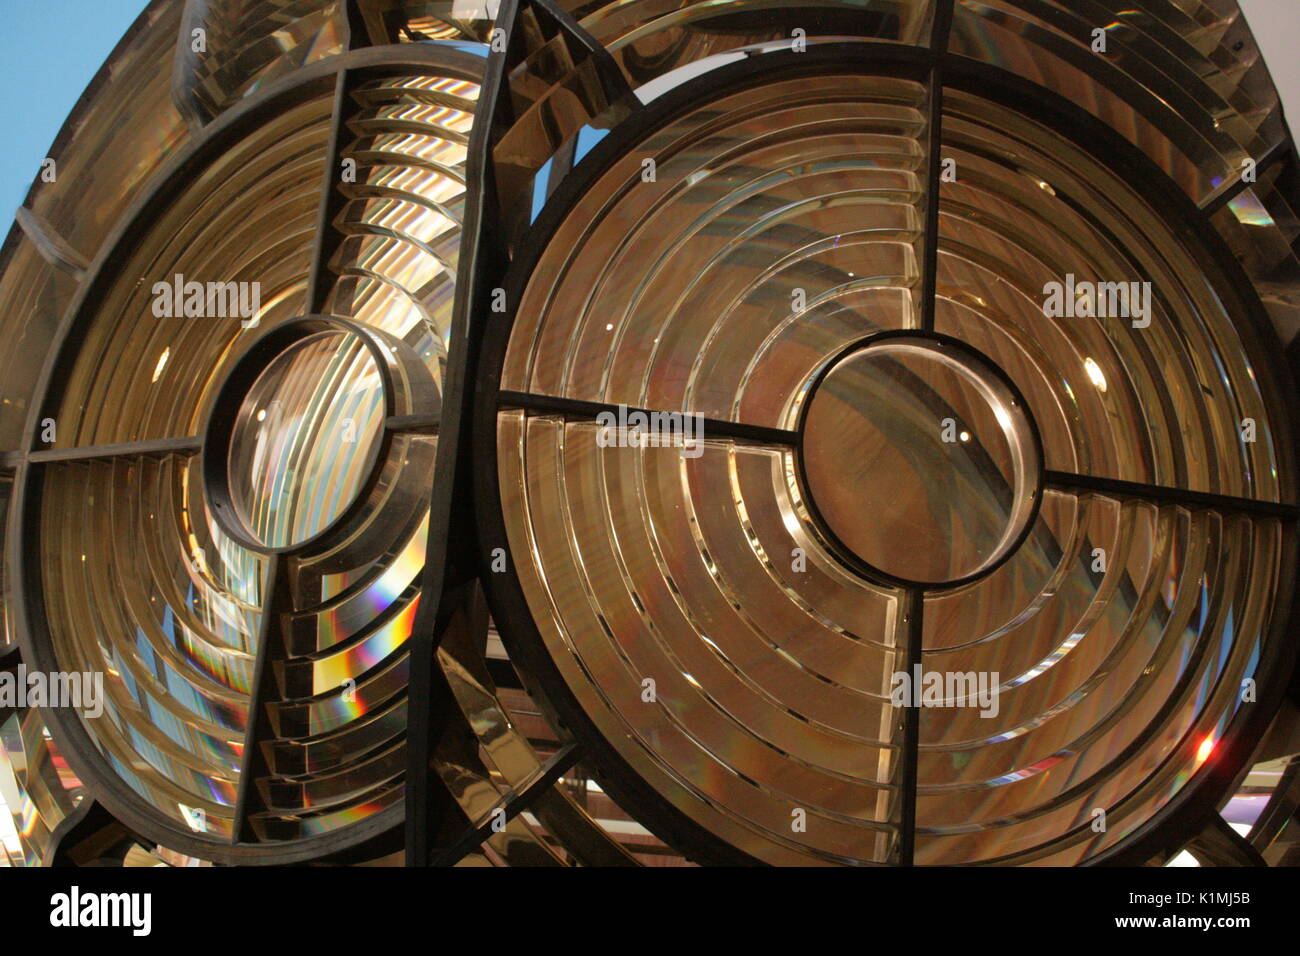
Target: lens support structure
{"points": [[1193, 810], [463, 539]]}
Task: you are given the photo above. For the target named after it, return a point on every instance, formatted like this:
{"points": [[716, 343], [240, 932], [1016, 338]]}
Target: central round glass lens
{"points": [[920, 460], [304, 438]]}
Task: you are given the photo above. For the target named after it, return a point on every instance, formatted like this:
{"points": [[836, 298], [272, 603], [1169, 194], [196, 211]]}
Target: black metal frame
{"points": [[434, 822]]}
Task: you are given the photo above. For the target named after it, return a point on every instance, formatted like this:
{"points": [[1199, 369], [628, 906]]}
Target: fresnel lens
{"points": [[556, 432]]}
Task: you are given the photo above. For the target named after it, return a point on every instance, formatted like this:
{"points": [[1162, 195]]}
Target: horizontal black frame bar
{"points": [[412, 423], [1163, 494], [190, 444], [577, 410]]}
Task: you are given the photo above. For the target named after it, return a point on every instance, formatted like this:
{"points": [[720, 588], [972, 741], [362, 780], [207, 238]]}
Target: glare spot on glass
{"points": [[1205, 749], [965, 436], [162, 361], [1046, 187], [609, 327], [1250, 211], [1095, 374], [261, 414], [473, 9]]}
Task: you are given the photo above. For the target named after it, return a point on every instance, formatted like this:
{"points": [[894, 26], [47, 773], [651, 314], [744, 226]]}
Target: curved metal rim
{"points": [[218, 428], [1259, 338], [84, 104], [81, 752], [854, 561]]}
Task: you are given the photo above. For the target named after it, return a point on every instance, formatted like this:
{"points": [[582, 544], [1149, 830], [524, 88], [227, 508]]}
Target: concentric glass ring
{"points": [[691, 607]]}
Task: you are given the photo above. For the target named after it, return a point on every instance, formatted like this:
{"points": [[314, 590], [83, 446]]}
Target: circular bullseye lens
{"points": [[920, 460], [303, 438]]}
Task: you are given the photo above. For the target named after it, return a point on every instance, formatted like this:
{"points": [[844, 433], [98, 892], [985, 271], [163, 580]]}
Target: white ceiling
{"points": [[1276, 25]]}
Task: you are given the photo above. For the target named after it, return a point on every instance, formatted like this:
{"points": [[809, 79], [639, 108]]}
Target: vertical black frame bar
{"points": [[940, 29], [912, 607], [450, 572]]}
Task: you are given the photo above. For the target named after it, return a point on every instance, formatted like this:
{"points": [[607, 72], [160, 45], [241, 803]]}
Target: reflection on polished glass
{"points": [[304, 437], [919, 459]]}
